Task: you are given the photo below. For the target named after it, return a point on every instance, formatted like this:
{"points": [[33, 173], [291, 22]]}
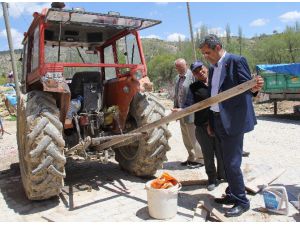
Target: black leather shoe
{"points": [[191, 164], [195, 164], [226, 200], [236, 210], [185, 163], [245, 154]]}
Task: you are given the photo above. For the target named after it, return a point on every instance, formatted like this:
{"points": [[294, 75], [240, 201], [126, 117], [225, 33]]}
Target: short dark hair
{"points": [[211, 41]]}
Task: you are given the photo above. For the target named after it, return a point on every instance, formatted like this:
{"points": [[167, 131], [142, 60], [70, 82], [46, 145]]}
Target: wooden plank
{"points": [[200, 214], [186, 111], [213, 211], [189, 176], [263, 180]]}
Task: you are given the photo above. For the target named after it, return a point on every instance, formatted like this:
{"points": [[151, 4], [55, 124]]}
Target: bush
{"points": [[3, 79]]}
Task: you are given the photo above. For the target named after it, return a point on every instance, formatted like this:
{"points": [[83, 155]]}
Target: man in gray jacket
{"points": [[182, 84]]}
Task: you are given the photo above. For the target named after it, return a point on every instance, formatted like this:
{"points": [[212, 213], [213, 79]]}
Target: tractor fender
{"points": [[62, 94], [120, 92]]}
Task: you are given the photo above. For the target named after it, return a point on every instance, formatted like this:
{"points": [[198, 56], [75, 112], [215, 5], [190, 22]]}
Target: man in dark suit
{"points": [[231, 118]]}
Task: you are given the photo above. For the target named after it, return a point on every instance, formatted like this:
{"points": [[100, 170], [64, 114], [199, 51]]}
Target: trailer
{"points": [[281, 82]]}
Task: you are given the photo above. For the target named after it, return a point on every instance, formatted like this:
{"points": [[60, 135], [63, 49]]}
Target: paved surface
{"points": [[98, 192]]}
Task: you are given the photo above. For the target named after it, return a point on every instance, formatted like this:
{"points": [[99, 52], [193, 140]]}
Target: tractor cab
{"points": [[63, 48]]}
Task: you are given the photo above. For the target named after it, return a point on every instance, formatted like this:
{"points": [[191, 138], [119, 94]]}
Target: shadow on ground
{"points": [[176, 165], [88, 176], [81, 177], [12, 190]]}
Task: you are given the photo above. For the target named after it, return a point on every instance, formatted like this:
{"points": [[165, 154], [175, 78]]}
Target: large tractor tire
{"points": [[40, 144], [147, 154]]}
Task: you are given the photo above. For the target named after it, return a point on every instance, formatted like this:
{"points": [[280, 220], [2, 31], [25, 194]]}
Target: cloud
{"points": [[151, 36], [290, 16], [217, 31], [198, 24], [18, 9], [259, 22], [17, 37], [175, 37]]}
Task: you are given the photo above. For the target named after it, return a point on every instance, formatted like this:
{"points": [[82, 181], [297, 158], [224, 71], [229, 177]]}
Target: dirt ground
{"points": [[91, 187]]}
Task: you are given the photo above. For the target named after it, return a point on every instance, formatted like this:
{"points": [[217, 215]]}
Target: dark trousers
{"points": [[210, 148], [232, 148]]}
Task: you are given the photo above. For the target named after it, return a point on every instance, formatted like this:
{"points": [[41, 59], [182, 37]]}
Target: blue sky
{"points": [[254, 18]]}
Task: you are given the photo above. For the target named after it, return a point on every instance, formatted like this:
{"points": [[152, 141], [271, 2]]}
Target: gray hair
{"points": [[211, 41], [179, 61]]}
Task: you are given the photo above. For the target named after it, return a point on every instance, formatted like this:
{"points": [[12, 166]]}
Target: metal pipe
{"points": [[88, 141], [98, 140], [11, 48]]}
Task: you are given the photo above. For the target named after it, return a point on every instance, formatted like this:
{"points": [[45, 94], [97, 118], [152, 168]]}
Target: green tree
{"points": [[161, 70], [240, 32], [197, 36], [291, 38], [297, 26], [228, 33], [203, 31], [270, 50]]}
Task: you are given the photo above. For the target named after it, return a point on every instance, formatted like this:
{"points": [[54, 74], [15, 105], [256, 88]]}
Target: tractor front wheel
{"points": [[146, 155], [40, 144]]}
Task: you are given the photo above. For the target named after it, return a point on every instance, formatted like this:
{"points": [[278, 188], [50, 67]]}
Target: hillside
{"points": [[160, 55], [5, 61], [154, 47]]}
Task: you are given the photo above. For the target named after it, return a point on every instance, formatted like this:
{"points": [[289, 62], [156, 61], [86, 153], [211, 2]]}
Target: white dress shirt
{"points": [[215, 82]]}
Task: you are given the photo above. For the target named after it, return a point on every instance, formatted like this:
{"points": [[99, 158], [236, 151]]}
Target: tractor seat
{"points": [[80, 78]]}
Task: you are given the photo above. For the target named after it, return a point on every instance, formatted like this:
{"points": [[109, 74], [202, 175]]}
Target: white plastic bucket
{"points": [[162, 203]]}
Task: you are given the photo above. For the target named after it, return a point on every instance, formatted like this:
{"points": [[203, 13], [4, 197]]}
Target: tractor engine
{"points": [[86, 115]]}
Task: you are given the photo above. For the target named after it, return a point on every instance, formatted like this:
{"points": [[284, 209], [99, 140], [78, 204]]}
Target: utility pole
{"points": [[11, 48], [191, 29]]}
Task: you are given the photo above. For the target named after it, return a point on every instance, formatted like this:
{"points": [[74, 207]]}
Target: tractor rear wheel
{"points": [[40, 144], [147, 154]]}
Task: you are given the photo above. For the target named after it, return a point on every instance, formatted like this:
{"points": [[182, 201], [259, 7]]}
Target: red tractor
{"points": [[84, 83]]}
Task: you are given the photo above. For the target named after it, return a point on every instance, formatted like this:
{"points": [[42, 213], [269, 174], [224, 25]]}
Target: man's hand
{"points": [[176, 109], [259, 84]]}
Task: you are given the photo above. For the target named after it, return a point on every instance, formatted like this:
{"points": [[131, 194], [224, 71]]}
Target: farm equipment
{"points": [[282, 82], [84, 82]]}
